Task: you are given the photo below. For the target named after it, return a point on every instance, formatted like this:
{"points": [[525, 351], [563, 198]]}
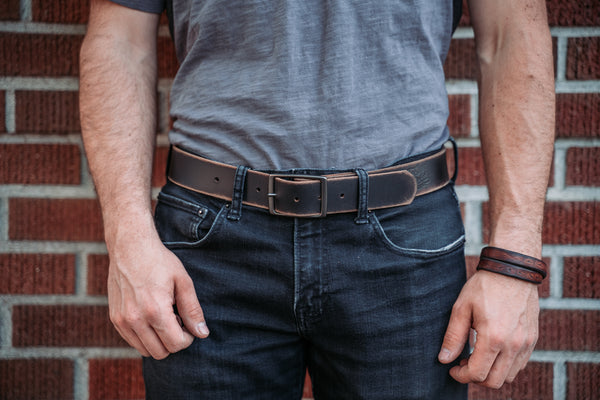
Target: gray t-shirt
{"points": [[279, 84]]}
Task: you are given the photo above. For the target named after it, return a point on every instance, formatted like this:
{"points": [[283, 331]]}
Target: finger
{"points": [[172, 335], [515, 369], [479, 364], [520, 363], [151, 342], [131, 338], [500, 370], [456, 335], [189, 307]]}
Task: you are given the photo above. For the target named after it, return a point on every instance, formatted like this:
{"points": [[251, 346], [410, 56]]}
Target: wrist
{"points": [[512, 264], [519, 234], [520, 241], [123, 230]]}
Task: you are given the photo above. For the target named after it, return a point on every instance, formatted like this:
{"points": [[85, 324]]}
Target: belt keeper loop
{"points": [[235, 212], [363, 196]]}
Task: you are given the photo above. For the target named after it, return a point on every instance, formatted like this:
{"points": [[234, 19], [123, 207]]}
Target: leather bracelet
{"points": [[517, 259], [511, 270]]}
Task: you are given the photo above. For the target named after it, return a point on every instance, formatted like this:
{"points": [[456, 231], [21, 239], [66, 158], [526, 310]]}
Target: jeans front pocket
{"points": [[185, 222], [430, 226]]}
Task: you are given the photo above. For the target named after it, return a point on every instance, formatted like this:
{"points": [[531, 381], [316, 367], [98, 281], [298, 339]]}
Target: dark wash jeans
{"points": [[362, 302]]}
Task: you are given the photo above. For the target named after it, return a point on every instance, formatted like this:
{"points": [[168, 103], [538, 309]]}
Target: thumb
{"points": [[456, 335], [189, 308]]}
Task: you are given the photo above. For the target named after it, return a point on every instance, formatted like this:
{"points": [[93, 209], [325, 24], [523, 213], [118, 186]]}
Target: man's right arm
{"points": [[118, 117]]}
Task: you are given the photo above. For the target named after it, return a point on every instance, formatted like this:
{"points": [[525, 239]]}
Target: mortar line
{"points": [[473, 226], [574, 31], [561, 58], [9, 111], [25, 10], [560, 170], [54, 300], [81, 274], [559, 382], [81, 378], [51, 247], [3, 219], [592, 86], [556, 277], [565, 356], [72, 353], [474, 105], [5, 324], [570, 304]]}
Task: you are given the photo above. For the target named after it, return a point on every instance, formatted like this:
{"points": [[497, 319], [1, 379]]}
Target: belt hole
{"points": [[258, 189], [342, 195], [216, 179], [296, 199]]}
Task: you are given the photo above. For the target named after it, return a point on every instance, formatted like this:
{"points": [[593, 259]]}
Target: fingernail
{"points": [[444, 355], [202, 329]]}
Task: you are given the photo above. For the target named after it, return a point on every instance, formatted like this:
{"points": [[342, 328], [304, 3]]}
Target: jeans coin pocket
{"points": [[183, 223]]}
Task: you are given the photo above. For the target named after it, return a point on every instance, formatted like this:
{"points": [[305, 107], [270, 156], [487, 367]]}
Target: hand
{"points": [[143, 285], [504, 312]]}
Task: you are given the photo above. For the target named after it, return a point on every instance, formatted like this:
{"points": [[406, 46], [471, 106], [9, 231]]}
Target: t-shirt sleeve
{"points": [[151, 6]]}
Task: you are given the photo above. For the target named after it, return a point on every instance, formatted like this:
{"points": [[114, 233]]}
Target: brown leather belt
{"points": [[298, 195]]}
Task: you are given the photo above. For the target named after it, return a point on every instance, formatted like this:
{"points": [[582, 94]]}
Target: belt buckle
{"points": [[271, 192]]}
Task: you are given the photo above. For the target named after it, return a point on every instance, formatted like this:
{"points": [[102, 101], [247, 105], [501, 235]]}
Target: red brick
{"points": [[543, 289], [583, 58], [159, 168], [583, 381], [470, 166], [583, 166], [578, 115], [25, 54], [97, 274], [573, 12], [37, 273], [63, 326], [581, 277], [47, 112], [60, 11], [40, 164], [461, 62], [167, 60], [10, 10], [572, 223], [533, 383], [40, 379], [116, 379], [564, 223], [55, 219], [459, 120], [576, 330]]}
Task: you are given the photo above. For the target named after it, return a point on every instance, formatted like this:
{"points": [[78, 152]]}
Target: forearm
{"points": [[516, 108], [118, 114]]}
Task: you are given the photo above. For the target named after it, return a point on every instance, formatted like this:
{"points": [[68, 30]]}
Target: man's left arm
{"points": [[516, 123]]}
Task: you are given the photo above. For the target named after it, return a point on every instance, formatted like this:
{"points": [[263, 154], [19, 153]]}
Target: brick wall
{"points": [[55, 338]]}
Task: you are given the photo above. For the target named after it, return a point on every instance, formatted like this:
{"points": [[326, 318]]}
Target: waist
{"points": [[306, 193]]}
